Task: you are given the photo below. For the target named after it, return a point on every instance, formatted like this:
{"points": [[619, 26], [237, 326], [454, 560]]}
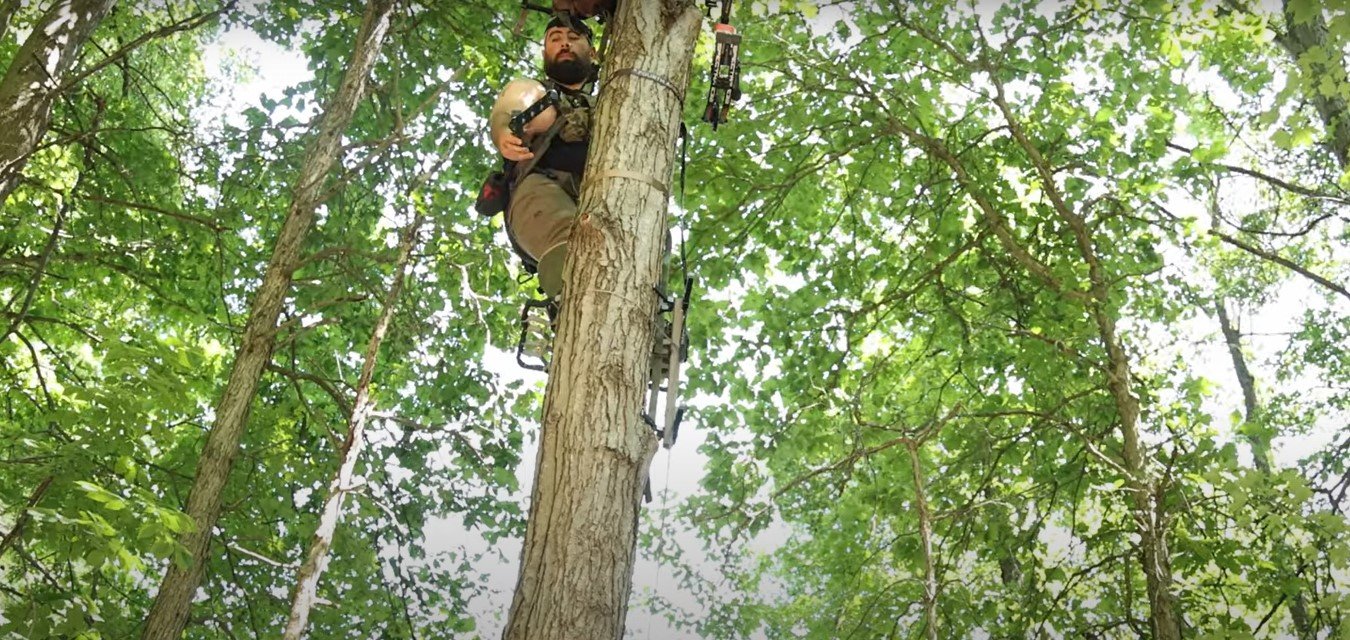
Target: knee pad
{"points": [[551, 270]]}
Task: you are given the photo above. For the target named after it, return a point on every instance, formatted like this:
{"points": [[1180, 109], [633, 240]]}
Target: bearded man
{"points": [[546, 163]]}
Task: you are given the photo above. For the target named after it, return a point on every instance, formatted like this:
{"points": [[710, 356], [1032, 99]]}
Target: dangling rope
{"points": [[665, 521]]}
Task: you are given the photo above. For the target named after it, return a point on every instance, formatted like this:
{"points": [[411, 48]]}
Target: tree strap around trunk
{"points": [[647, 75], [633, 175]]}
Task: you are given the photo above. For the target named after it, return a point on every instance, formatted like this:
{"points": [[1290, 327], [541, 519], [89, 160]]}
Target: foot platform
{"points": [[534, 349], [670, 349]]}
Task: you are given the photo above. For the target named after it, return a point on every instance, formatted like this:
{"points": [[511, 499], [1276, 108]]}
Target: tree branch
{"points": [[186, 24], [155, 209], [1269, 179], [23, 518], [323, 383], [1282, 261]]}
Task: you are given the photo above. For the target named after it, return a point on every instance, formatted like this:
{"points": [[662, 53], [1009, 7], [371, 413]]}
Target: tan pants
{"points": [[542, 212]]}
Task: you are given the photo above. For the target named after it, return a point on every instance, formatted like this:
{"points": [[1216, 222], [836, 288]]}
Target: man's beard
{"points": [[571, 71]]}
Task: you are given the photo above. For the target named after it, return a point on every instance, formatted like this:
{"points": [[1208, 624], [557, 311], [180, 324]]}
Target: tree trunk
{"points": [[169, 614], [316, 559], [1146, 505], [1259, 442], [32, 83], [930, 583], [577, 562], [1145, 490], [1259, 439], [1300, 38], [1145, 493], [1149, 515]]}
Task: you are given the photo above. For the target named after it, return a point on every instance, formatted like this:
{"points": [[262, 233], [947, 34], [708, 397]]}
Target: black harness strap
{"points": [[542, 145]]}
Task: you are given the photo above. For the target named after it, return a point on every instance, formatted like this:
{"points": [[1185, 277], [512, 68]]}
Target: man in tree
{"points": [[545, 167]]}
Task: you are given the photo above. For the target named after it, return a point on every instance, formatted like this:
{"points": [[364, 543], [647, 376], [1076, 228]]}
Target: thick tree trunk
{"points": [[33, 80], [169, 614], [316, 559], [577, 563], [1298, 39]]}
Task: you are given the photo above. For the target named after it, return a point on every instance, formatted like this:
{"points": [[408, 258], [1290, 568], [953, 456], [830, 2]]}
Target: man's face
{"points": [[567, 55]]}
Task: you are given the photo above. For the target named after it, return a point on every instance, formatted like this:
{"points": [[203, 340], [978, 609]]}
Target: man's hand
{"points": [[513, 148]]}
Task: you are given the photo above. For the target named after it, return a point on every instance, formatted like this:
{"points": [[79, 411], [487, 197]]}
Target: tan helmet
{"points": [[518, 96]]}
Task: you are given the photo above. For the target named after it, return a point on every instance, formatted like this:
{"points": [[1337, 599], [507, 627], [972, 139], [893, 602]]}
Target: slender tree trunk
{"points": [[7, 10], [32, 83], [1148, 501], [1145, 493], [1259, 439], [930, 583], [169, 614], [316, 559], [1149, 516], [577, 563], [1298, 39], [1146, 504]]}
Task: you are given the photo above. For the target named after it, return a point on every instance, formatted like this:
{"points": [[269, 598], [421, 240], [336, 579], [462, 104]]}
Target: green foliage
{"points": [[110, 375], [928, 227], [870, 297]]}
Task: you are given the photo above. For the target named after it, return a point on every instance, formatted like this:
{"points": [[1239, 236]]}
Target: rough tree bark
{"points": [[307, 577], [34, 78], [1149, 514], [577, 563], [1302, 37], [169, 614]]}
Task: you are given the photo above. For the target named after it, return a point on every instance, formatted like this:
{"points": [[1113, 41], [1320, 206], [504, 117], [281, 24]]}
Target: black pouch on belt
{"points": [[494, 195]]}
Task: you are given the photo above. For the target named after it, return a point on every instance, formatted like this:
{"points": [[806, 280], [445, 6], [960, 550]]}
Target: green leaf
{"points": [[1303, 11]]}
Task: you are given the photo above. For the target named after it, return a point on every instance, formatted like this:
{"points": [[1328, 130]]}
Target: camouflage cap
{"points": [[568, 22]]}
